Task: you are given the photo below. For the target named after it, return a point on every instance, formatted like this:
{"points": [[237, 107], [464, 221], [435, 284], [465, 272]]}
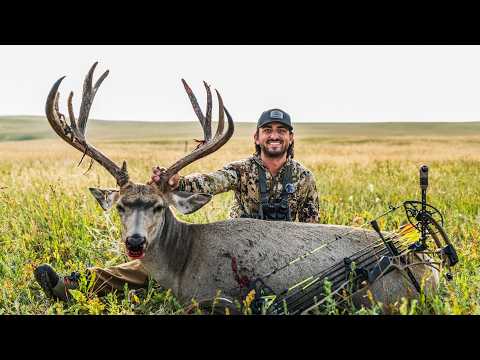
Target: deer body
{"points": [[195, 261]]}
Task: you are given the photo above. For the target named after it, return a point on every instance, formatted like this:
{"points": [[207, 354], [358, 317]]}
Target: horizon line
{"points": [[254, 121]]}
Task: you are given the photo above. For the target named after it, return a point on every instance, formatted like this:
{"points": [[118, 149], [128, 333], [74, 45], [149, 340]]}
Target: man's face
{"points": [[274, 139]]}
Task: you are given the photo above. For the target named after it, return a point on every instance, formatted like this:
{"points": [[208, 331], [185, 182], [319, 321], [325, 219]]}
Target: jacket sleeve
{"points": [[213, 183], [309, 207]]}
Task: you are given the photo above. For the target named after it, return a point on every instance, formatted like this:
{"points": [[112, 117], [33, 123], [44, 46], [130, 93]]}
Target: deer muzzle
{"points": [[135, 245]]}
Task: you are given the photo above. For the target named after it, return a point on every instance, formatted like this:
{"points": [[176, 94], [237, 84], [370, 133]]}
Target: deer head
{"points": [[143, 208]]}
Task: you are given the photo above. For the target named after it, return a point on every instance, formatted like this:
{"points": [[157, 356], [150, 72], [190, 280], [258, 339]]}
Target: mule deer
{"points": [[195, 260]]}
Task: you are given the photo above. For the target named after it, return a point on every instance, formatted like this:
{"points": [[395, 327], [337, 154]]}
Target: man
{"points": [[269, 185]]}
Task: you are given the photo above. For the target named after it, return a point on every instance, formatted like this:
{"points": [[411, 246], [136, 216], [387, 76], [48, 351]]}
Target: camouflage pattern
{"points": [[242, 177]]}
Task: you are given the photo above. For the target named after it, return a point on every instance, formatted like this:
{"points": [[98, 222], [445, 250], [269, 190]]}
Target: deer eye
{"points": [[157, 208], [120, 209]]}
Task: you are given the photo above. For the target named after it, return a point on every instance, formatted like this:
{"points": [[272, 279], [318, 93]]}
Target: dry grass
{"points": [[47, 214]]}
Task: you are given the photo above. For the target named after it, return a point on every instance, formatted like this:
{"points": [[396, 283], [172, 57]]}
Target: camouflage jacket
{"points": [[242, 177]]}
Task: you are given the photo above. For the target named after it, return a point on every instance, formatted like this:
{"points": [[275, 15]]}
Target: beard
{"points": [[275, 151]]}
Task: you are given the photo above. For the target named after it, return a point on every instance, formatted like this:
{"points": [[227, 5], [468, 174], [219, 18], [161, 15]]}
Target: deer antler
{"points": [[74, 134], [207, 145]]}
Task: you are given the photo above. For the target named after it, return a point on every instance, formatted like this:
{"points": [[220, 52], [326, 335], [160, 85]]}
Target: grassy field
{"points": [[48, 215]]}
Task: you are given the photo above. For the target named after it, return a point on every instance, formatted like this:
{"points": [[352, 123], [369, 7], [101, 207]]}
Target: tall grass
{"points": [[47, 214]]}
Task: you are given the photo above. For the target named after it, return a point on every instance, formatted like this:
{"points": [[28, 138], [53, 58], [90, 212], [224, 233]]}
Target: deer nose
{"points": [[135, 240]]}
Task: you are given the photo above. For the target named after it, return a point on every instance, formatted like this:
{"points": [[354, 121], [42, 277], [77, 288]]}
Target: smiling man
{"points": [[269, 185]]}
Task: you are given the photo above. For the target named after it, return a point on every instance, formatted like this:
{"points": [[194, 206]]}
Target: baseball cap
{"points": [[273, 115]]}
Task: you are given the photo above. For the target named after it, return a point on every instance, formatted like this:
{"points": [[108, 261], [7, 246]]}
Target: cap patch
{"points": [[275, 114]]}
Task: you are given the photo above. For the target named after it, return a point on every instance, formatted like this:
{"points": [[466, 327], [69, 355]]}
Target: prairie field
{"points": [[47, 214]]}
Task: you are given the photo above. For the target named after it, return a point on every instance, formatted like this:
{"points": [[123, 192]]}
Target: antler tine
{"points": [[86, 100], [208, 114], [71, 116], [88, 96], [51, 109], [220, 115], [206, 149], [77, 139], [195, 105], [99, 81]]}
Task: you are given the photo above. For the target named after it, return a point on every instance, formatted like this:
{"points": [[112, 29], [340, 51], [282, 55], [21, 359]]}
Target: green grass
{"points": [[48, 215]]}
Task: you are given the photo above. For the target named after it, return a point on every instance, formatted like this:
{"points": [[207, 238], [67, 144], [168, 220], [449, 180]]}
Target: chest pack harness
{"points": [[278, 208]]}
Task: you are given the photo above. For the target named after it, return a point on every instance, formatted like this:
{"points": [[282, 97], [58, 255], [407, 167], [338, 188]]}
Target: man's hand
{"points": [[158, 171]]}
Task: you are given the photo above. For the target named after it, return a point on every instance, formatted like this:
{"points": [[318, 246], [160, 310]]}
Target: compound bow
{"points": [[423, 234]]}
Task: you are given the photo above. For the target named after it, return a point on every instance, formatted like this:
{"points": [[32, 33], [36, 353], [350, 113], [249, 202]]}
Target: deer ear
{"points": [[187, 202], [105, 197]]}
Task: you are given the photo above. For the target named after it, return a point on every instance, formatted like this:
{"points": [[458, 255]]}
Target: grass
{"points": [[48, 215]]}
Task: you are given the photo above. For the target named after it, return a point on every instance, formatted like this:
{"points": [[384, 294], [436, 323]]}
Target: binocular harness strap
{"points": [[264, 202]]}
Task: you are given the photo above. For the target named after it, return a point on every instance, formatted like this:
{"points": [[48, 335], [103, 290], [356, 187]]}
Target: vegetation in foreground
{"points": [[48, 215]]}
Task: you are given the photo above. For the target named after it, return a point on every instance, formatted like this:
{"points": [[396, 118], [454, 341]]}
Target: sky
{"points": [[319, 83]]}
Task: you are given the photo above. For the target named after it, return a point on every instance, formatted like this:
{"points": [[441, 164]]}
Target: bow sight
{"points": [[429, 221], [369, 264]]}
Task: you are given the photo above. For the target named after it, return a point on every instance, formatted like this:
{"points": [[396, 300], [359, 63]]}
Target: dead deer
{"points": [[195, 260]]}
